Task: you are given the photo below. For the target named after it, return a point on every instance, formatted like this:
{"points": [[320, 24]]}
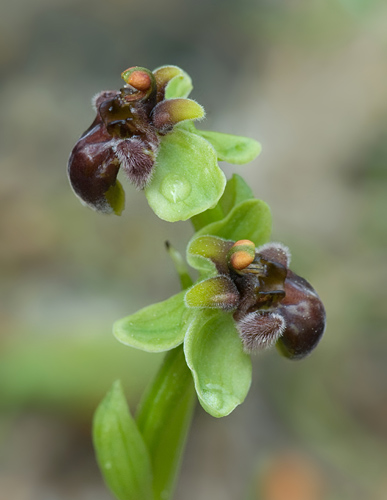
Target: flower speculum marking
{"points": [[270, 303]]}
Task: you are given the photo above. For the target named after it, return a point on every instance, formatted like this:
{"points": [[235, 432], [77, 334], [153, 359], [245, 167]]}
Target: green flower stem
{"points": [[164, 418]]}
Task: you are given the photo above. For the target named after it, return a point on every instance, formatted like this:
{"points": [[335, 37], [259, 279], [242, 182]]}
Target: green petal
{"points": [[232, 148], [121, 452], [168, 113], [235, 192], [155, 328], [208, 254], [250, 220], [179, 86], [187, 179], [220, 367], [218, 292]]}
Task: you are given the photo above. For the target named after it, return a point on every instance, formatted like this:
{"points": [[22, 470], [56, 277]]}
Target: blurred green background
{"points": [[307, 79]]}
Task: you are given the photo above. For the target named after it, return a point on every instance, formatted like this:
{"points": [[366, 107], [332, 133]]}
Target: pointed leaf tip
{"points": [[121, 452]]}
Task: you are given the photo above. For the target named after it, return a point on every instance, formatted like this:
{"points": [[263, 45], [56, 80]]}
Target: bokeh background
{"points": [[305, 77]]}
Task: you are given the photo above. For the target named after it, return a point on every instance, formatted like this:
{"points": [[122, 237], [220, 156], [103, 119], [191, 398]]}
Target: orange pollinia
{"points": [[140, 80], [242, 254]]}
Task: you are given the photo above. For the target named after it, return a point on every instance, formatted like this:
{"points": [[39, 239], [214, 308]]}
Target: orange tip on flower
{"points": [[244, 243], [139, 80], [242, 254]]}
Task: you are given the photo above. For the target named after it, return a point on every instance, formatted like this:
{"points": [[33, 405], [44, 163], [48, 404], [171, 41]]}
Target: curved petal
{"points": [[232, 148], [156, 328], [218, 292], [250, 220], [92, 170], [220, 367], [168, 113], [186, 179]]}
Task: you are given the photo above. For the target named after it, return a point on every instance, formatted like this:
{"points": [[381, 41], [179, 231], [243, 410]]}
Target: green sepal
{"points": [[250, 220], [121, 451], [235, 192], [179, 86], [187, 125], [232, 148], [220, 368], [174, 81], [155, 328], [186, 179]]}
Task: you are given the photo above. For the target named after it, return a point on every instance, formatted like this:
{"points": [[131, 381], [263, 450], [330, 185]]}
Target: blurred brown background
{"points": [[307, 79]]}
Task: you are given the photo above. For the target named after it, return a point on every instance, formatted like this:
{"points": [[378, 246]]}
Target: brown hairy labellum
{"points": [[277, 306], [270, 303]]}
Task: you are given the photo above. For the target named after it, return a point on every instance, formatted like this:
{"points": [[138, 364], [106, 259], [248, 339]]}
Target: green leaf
{"points": [[220, 367], [232, 148], [250, 220], [235, 192], [187, 179], [121, 452], [163, 419], [155, 328]]}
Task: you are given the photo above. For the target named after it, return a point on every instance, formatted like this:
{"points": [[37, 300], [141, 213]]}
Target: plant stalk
{"points": [[164, 417]]}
